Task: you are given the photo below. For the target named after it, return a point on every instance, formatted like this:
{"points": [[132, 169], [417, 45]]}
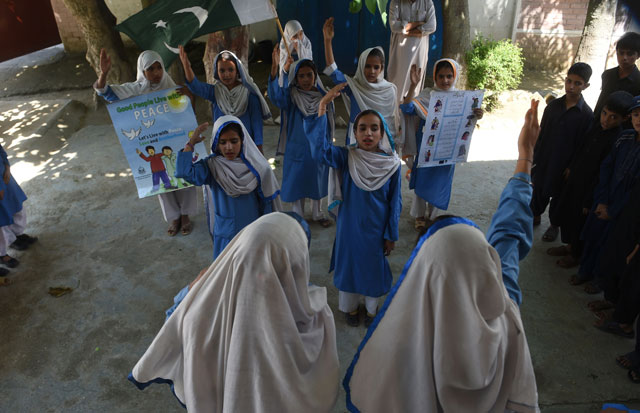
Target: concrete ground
{"points": [[73, 353]]}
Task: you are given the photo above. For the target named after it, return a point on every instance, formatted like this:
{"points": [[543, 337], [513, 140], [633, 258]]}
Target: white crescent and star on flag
{"points": [[201, 14]]}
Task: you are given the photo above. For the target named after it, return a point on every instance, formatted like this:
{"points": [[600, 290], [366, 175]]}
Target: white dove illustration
{"points": [[132, 133], [148, 123]]}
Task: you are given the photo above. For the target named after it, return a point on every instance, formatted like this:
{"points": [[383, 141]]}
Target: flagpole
{"points": [[284, 39]]}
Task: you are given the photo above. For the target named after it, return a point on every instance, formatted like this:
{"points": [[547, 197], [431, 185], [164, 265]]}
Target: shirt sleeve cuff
{"points": [[103, 90], [330, 69]]}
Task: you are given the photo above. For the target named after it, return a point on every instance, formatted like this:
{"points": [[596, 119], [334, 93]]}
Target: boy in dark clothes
{"points": [[630, 299], [619, 172], [564, 123], [582, 176], [626, 75], [614, 277]]}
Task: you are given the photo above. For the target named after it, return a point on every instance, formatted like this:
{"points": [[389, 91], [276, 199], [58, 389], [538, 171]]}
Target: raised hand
{"points": [[327, 29], [527, 139], [530, 131], [105, 67], [105, 62], [196, 136], [415, 74], [275, 60], [329, 97], [287, 64], [186, 64]]}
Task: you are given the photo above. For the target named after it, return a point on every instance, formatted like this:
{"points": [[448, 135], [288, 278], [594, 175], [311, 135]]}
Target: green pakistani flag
{"points": [[166, 24]]}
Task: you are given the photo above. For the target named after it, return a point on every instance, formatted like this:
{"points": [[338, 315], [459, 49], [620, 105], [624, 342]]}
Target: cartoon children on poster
{"points": [[169, 158], [158, 169]]}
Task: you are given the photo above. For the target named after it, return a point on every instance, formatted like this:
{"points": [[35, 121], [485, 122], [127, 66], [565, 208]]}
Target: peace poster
{"points": [[152, 128]]}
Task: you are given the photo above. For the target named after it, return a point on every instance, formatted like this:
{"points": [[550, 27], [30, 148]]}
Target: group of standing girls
{"points": [[254, 335], [362, 179]]}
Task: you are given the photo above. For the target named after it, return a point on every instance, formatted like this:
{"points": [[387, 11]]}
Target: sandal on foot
{"points": [[174, 227], [628, 361], [599, 305], [187, 228], [634, 375], [324, 222], [612, 327], [560, 251], [550, 234], [23, 241], [420, 223], [591, 288], [368, 318], [352, 319], [5, 282], [9, 261], [567, 262]]}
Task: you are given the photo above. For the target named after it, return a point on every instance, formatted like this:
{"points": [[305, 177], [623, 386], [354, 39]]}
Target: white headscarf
{"points": [[242, 175], [410, 123], [142, 86], [234, 102], [304, 49], [368, 170], [251, 335], [306, 101], [376, 96], [467, 350]]}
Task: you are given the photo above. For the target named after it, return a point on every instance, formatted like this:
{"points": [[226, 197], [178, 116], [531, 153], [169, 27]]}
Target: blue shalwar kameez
{"points": [[302, 176], [366, 219], [432, 184], [13, 198], [251, 118]]}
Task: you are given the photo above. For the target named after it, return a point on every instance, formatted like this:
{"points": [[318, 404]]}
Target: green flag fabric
{"points": [[166, 24]]}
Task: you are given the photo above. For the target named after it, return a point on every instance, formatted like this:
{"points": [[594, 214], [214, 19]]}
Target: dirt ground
{"points": [[73, 353]]}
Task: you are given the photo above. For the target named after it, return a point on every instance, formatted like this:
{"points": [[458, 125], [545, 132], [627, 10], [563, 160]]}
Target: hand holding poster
{"points": [[152, 128], [449, 126]]}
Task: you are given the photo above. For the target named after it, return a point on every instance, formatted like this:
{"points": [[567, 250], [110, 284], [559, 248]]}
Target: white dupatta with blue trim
{"points": [[448, 337]]}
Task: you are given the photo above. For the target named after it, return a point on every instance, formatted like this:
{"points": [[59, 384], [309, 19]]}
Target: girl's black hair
{"points": [[234, 127], [229, 126], [310, 64], [377, 53], [364, 113], [228, 57], [443, 65]]}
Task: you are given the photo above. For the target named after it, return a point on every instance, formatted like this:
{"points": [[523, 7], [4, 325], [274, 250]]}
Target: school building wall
{"points": [[549, 32], [494, 19]]}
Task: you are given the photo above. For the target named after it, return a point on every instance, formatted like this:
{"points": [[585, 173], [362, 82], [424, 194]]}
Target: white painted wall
{"points": [[492, 18]]}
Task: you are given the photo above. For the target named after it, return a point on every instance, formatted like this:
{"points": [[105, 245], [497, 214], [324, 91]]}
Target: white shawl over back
{"points": [[251, 335], [448, 338]]}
